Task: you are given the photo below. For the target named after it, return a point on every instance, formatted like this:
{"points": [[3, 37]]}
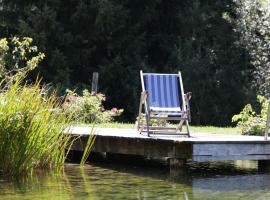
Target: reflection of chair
{"points": [[163, 98]]}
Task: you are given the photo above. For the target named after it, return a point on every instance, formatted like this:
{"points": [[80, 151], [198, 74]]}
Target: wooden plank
{"points": [[230, 149], [160, 128], [136, 146], [230, 157], [196, 138], [168, 118], [240, 140], [201, 147]]}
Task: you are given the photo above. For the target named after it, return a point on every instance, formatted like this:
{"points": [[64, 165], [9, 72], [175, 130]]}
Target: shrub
{"points": [[18, 56], [249, 121], [88, 108]]}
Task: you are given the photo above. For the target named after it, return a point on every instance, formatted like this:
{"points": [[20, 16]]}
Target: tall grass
{"points": [[88, 146], [31, 129]]}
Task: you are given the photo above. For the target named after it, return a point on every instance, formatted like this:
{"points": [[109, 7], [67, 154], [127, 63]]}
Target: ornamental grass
{"points": [[32, 126]]}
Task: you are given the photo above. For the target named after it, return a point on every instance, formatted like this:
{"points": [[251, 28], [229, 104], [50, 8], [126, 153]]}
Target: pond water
{"points": [[216, 180]]}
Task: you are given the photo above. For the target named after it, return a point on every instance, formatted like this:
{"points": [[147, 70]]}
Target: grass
{"points": [[31, 129], [88, 146], [202, 129], [116, 125], [216, 130]]}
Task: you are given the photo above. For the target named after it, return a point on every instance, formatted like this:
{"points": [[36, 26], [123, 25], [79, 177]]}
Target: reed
{"points": [[88, 146], [32, 128]]}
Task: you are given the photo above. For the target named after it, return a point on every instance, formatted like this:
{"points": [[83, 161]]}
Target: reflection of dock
{"points": [[199, 147], [254, 186], [239, 182]]}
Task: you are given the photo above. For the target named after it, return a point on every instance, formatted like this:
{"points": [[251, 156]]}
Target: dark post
{"points": [[264, 166], [177, 163], [177, 167], [94, 87]]}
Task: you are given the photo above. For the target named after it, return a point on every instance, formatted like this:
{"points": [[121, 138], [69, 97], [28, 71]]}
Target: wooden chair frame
{"points": [[144, 111]]}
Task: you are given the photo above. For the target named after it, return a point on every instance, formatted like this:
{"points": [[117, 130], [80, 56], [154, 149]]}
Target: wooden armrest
{"points": [[188, 95], [143, 96]]}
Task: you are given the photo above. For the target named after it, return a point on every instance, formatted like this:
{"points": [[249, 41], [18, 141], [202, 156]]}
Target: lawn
{"points": [[204, 129]]}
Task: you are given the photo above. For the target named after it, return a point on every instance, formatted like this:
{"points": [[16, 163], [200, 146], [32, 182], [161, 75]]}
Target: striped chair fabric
{"points": [[163, 93]]}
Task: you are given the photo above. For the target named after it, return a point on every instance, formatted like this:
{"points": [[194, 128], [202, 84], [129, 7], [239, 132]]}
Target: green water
{"points": [[230, 180]]}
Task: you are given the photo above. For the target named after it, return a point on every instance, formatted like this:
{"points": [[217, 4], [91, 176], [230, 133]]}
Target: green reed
{"points": [[32, 129], [88, 146]]}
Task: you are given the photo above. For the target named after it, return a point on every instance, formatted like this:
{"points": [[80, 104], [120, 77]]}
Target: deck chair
{"points": [[163, 98]]}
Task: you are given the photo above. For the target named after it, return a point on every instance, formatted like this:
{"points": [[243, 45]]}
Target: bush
{"points": [[249, 121], [88, 108], [18, 56]]}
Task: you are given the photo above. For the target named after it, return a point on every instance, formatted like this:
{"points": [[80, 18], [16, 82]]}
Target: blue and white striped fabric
{"points": [[163, 93]]}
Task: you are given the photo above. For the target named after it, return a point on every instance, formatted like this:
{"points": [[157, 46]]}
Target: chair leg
{"points": [[180, 125], [188, 131], [147, 124], [140, 111]]}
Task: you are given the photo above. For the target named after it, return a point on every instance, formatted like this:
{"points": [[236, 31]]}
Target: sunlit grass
{"points": [[31, 129], [216, 130], [116, 125], [201, 129]]}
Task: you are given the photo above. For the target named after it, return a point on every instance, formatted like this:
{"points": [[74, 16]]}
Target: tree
{"points": [[253, 25], [18, 57], [117, 38]]}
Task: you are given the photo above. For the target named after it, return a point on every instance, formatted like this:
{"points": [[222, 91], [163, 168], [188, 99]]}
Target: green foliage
{"points": [[253, 24], [32, 121], [249, 121], [31, 128], [18, 56], [153, 122], [118, 38], [88, 146], [88, 108]]}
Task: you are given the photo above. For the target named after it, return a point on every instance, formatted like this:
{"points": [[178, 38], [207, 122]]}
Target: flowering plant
{"points": [[89, 108]]}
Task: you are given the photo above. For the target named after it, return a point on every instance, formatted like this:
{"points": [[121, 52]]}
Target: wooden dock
{"points": [[199, 147]]}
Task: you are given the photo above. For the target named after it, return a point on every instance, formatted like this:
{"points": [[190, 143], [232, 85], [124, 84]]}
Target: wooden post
{"points": [[267, 122], [94, 87], [264, 166], [177, 167], [177, 163]]}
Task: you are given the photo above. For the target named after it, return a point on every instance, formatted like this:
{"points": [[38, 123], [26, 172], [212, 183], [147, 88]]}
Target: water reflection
{"points": [[221, 180]]}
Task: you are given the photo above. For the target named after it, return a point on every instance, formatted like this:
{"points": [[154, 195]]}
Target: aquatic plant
{"points": [[88, 146], [31, 128], [32, 121]]}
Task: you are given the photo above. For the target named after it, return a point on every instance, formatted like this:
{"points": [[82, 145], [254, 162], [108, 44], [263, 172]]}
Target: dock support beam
{"points": [[177, 166], [177, 163], [264, 165]]}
